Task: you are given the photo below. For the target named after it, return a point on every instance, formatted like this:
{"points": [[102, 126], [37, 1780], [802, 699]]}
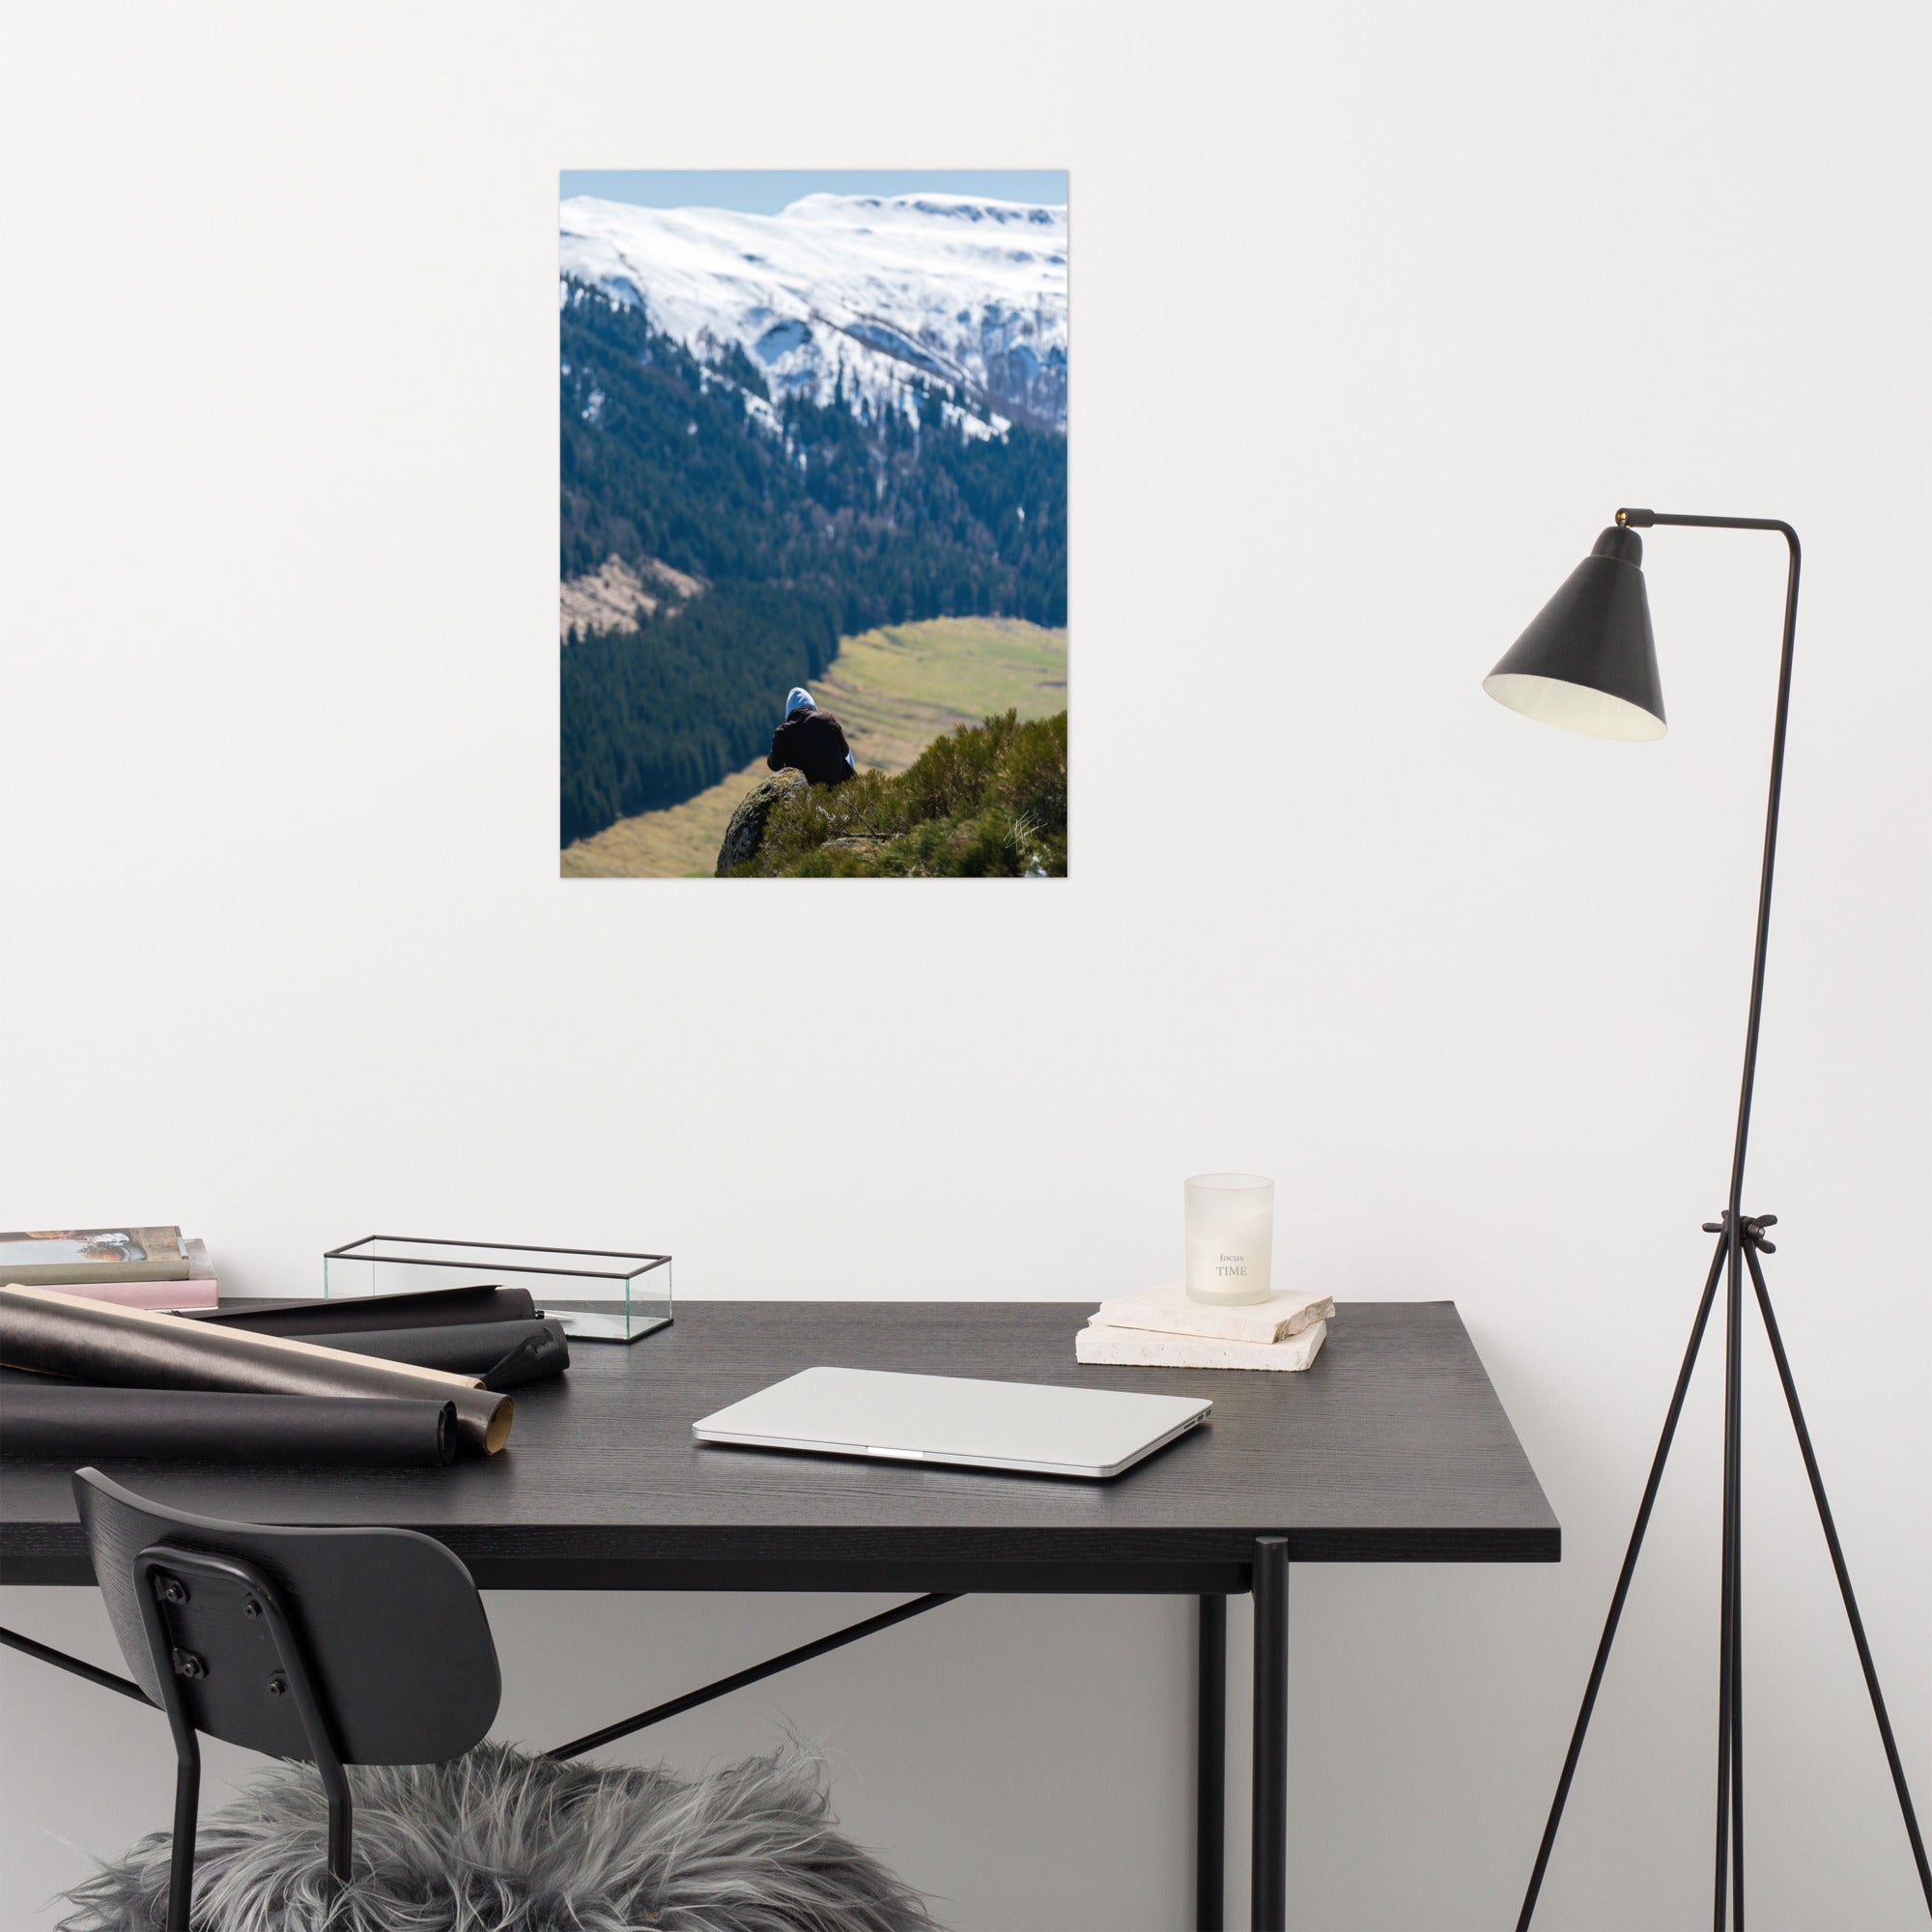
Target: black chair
{"points": [[331, 1646]]}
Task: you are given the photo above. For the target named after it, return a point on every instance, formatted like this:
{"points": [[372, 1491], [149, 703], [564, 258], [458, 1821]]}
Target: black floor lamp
{"points": [[1587, 662]]}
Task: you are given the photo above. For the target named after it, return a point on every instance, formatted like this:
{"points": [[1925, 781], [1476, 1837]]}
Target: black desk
{"points": [[1392, 1448]]}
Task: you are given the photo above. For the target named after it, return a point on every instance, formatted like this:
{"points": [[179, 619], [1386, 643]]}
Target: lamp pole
{"points": [[1741, 1240], [1730, 1644], [1642, 520]]}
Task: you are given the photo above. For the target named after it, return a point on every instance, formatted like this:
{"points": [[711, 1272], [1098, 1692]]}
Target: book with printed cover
{"points": [[62, 1257]]}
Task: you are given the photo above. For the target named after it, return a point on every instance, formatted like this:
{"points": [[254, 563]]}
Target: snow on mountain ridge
{"points": [[856, 209], [877, 291]]}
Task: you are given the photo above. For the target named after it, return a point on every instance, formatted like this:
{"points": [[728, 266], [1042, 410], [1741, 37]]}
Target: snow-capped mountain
{"points": [[884, 294]]}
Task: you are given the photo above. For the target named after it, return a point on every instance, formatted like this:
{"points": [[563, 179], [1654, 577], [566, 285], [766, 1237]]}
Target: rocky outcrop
{"points": [[614, 597], [746, 832]]}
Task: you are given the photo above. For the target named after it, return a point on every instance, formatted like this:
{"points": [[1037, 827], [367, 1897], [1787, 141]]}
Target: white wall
{"points": [[1378, 313]]}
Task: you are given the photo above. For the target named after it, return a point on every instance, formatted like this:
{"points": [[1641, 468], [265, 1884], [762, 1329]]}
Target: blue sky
{"points": [[766, 190]]}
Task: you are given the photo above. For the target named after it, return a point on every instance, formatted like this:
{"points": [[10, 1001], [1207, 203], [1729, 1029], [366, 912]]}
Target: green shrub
{"points": [[986, 802]]}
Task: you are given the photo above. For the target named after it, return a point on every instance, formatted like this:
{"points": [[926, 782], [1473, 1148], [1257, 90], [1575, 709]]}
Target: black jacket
{"points": [[811, 742]]}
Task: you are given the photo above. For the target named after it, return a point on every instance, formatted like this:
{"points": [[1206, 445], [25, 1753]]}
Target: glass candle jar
{"points": [[1230, 1237]]}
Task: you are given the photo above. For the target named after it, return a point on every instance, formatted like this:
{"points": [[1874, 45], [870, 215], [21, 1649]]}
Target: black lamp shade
{"points": [[1588, 662]]}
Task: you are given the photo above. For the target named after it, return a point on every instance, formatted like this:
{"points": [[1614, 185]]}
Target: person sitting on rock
{"points": [[810, 741]]}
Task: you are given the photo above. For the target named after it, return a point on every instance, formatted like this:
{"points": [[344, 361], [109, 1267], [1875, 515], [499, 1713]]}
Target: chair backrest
{"points": [[390, 1630]]}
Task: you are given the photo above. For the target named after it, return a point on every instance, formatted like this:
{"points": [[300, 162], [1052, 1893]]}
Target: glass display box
{"points": [[598, 1295]]}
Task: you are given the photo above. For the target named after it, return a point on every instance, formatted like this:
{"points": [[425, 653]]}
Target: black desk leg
{"points": [[1211, 1766], [1269, 1894]]}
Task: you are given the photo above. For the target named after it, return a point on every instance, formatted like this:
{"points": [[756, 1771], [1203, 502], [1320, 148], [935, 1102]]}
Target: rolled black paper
{"points": [[363, 1314], [137, 1348], [525, 1363], [72, 1424], [466, 1348]]}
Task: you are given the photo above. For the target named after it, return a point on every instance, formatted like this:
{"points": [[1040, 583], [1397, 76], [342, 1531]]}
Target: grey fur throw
{"points": [[496, 1841]]}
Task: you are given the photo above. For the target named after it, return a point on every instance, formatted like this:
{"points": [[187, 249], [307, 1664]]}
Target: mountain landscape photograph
{"points": [[813, 524]]}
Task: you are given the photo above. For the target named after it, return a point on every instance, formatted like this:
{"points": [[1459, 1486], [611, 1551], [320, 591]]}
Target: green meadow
{"points": [[894, 690]]}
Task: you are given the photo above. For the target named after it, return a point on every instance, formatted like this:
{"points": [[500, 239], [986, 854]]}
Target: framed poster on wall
{"points": [[812, 520]]}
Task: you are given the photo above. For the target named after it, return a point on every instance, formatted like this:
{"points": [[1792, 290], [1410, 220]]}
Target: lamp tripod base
{"points": [[1741, 1240]]}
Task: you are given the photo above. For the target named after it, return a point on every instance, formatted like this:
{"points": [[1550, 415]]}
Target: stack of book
{"points": [[1162, 1328], [132, 1267]]}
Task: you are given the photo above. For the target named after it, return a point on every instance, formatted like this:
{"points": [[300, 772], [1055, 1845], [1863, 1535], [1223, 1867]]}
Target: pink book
{"points": [[161, 1295]]}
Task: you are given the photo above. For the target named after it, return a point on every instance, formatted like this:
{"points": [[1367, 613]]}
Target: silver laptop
{"points": [[1045, 1432]]}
